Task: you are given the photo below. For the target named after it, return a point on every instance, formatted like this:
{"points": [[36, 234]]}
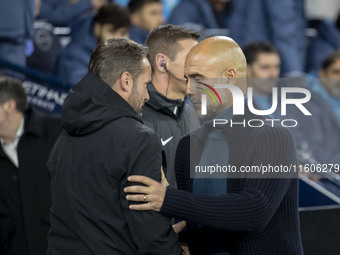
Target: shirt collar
{"points": [[161, 103], [20, 130]]}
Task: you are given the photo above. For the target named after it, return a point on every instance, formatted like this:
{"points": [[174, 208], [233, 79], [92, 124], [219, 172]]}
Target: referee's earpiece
{"points": [[163, 64]]}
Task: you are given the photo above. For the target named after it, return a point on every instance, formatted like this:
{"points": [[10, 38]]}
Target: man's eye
{"points": [[265, 68]]}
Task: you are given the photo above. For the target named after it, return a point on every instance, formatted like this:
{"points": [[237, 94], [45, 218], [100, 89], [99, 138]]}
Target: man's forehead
{"points": [[194, 58], [198, 63], [267, 56], [193, 68]]}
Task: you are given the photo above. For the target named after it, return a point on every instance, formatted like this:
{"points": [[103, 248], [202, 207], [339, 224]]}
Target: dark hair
{"points": [[337, 22], [113, 14], [113, 57], [164, 39], [330, 59], [252, 50], [11, 88], [137, 5]]}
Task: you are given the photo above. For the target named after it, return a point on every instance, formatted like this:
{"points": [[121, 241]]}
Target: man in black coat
{"points": [[26, 140], [103, 142]]}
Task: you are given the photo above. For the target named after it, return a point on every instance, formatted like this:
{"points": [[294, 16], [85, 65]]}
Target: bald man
{"points": [[227, 215]]}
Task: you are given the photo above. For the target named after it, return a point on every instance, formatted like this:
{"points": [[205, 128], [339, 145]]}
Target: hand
{"points": [[152, 194], [164, 181], [179, 226], [185, 249]]}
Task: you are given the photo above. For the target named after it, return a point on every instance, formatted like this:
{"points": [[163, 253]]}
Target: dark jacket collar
{"points": [[91, 104], [164, 104], [33, 123]]}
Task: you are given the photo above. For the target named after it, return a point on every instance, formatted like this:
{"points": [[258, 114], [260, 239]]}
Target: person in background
{"points": [[65, 12], [26, 138], [329, 82], [264, 20], [145, 15], [16, 29], [202, 14], [319, 134], [167, 112], [111, 21], [324, 43], [249, 21], [168, 6], [103, 141], [263, 71]]}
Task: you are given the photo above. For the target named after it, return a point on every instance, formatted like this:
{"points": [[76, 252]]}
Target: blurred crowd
{"points": [[57, 37]]}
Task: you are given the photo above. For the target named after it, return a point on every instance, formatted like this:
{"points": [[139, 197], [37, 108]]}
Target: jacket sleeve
{"points": [[250, 209], [151, 231]]}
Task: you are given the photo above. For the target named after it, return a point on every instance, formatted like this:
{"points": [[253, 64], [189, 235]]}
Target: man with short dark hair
{"points": [[263, 61], [145, 15], [111, 21], [103, 142], [263, 71], [26, 138], [329, 75], [166, 112]]}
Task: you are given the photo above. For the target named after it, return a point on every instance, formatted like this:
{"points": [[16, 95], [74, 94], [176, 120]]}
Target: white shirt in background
{"points": [[10, 149]]}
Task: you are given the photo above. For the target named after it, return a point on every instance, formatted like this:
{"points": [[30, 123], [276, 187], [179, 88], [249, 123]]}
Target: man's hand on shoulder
{"points": [[152, 194]]}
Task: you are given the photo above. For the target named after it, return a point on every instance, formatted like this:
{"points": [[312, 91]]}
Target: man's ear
{"points": [[10, 106], [126, 82], [159, 59], [230, 75]]}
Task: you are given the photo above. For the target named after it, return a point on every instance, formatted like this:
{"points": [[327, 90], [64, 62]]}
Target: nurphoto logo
{"points": [[239, 104]]}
